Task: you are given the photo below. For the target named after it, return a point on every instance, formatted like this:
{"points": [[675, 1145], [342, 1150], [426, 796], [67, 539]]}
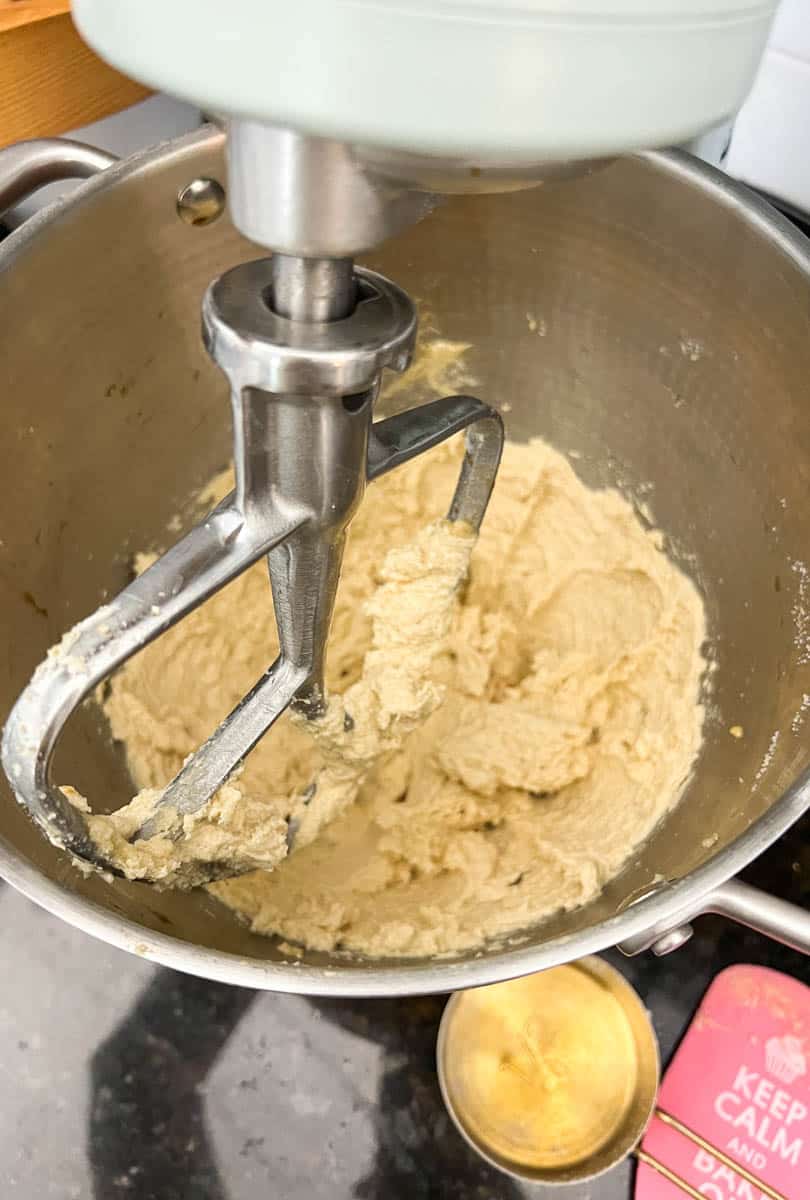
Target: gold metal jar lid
{"points": [[552, 1077]]}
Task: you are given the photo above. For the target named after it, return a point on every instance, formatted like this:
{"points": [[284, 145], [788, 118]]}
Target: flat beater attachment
{"points": [[303, 344]]}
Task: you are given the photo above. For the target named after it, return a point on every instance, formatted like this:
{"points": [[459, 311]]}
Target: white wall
{"points": [[770, 145]]}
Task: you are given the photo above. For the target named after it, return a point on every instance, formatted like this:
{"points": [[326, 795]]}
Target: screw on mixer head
{"points": [[303, 344]]}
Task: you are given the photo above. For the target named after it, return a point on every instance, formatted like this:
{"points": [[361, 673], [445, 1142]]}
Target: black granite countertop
{"points": [[122, 1079]]}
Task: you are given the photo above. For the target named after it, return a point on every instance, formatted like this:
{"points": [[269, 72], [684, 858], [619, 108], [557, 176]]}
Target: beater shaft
{"points": [[312, 289]]}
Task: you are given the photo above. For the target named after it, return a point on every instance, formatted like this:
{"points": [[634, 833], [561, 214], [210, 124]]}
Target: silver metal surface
{"points": [[785, 923], [311, 289], [674, 309], [260, 348], [758, 910], [201, 201], [301, 463], [27, 166], [208, 557], [321, 198], [672, 941], [311, 196]]}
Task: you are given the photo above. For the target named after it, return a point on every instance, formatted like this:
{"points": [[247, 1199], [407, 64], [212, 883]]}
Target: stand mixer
{"points": [[346, 123]]}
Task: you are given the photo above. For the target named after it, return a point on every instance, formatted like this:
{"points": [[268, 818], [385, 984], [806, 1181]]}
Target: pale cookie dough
{"points": [[233, 829], [570, 721]]}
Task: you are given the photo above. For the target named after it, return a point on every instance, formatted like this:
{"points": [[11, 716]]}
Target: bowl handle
{"points": [[784, 922], [27, 166]]}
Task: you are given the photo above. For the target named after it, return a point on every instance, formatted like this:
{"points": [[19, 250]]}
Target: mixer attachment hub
{"points": [[257, 346]]}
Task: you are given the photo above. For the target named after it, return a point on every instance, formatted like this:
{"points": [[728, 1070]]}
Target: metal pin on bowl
{"points": [[551, 1078]]}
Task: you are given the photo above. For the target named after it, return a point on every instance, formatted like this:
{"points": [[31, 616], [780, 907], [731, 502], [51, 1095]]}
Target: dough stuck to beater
{"points": [[233, 829], [411, 614], [570, 667]]}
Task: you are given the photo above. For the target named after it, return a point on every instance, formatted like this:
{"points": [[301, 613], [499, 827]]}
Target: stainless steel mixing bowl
{"points": [[653, 320]]}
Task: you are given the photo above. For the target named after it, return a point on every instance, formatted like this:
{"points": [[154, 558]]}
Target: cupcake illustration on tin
{"points": [[785, 1058]]}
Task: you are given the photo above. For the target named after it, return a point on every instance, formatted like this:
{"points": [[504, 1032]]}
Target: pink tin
{"points": [[733, 1116]]}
